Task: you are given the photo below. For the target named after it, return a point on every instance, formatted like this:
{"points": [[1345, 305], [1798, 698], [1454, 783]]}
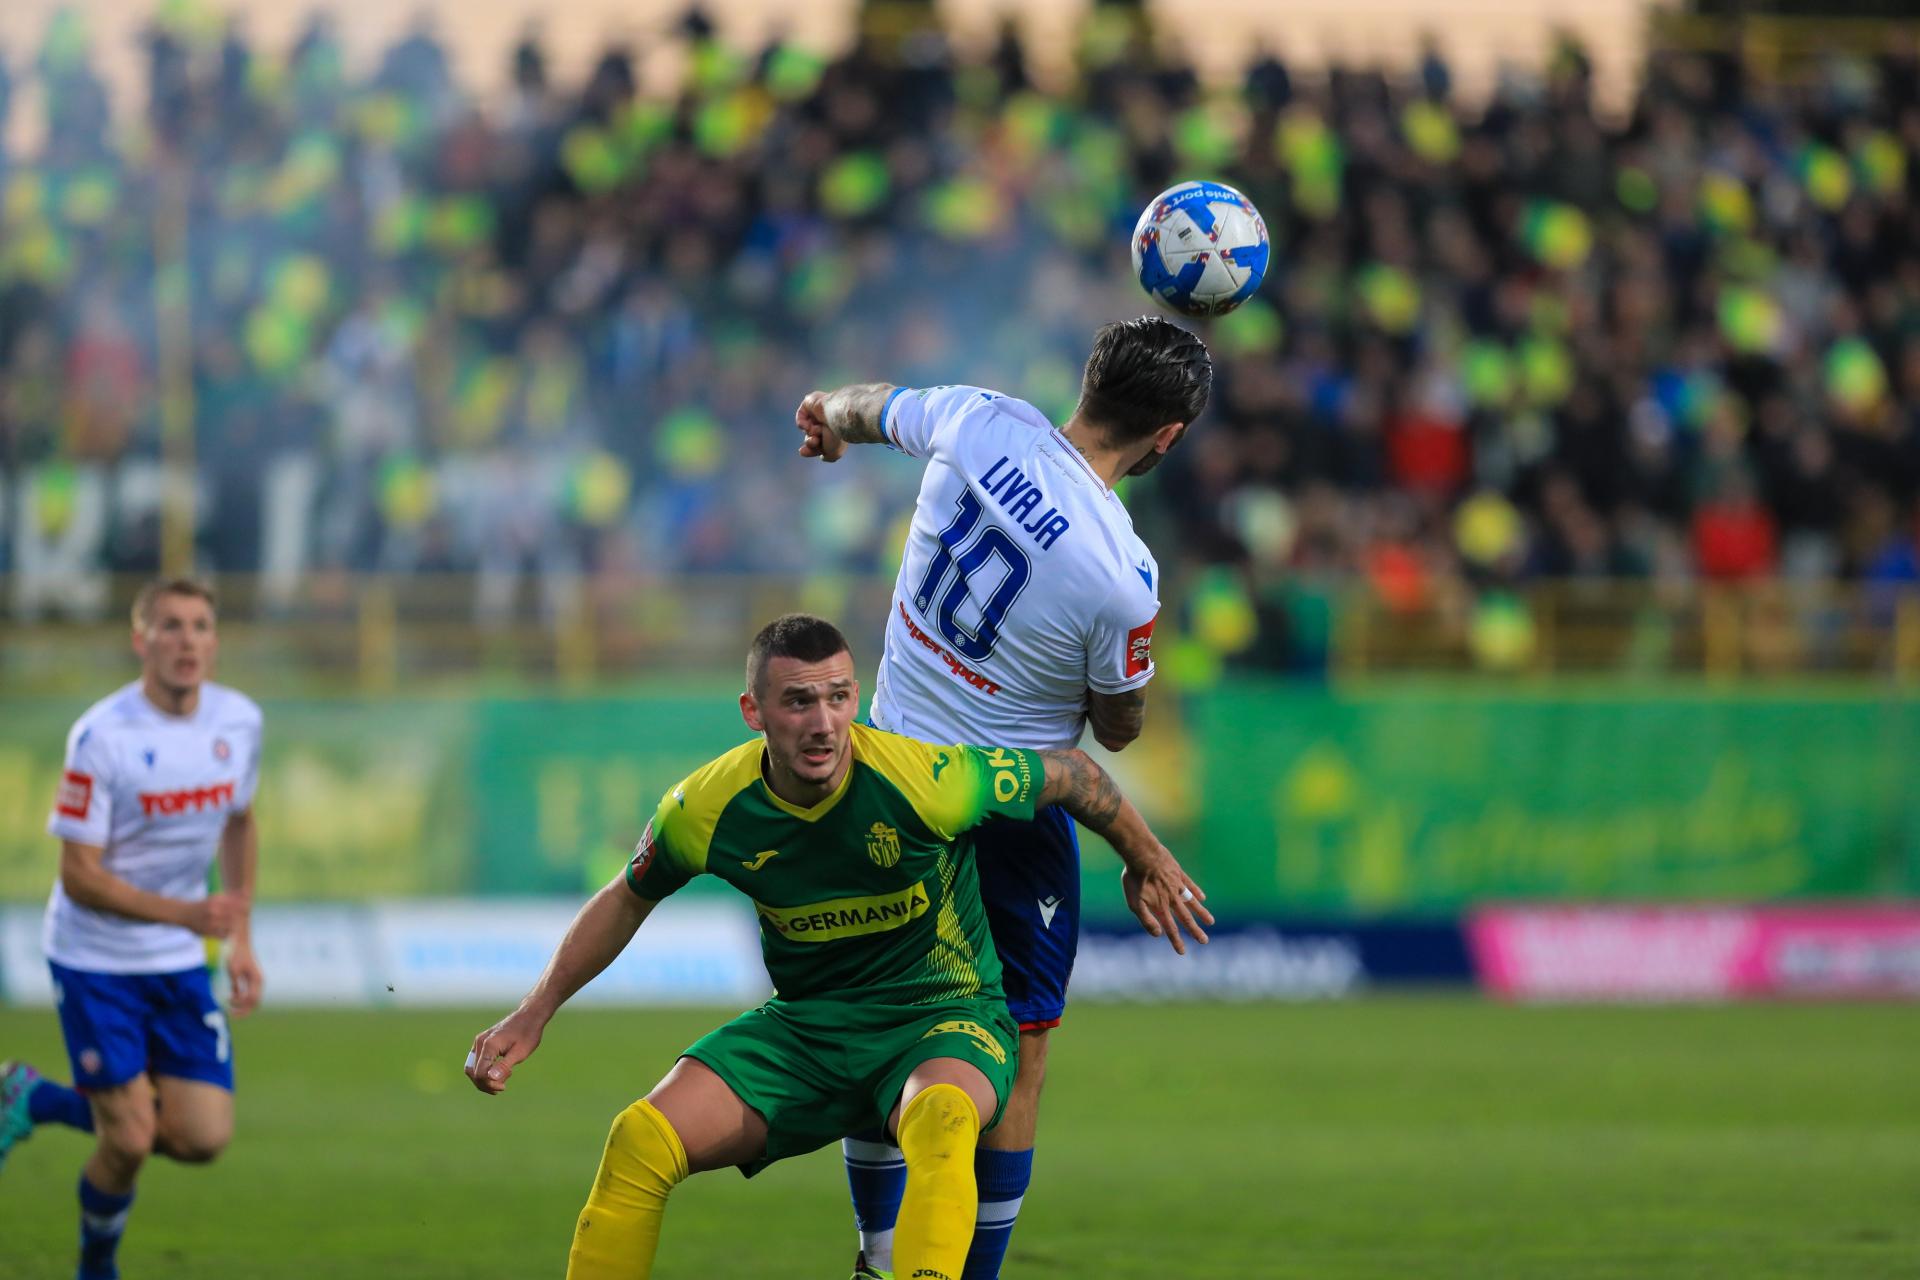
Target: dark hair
{"points": [[1142, 374], [143, 603], [792, 635]]}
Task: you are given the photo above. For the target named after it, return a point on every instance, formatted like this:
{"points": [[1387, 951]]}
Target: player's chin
{"points": [[815, 765]]}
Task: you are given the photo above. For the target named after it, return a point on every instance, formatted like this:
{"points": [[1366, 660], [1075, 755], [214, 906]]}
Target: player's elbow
{"points": [[78, 881], [1116, 732]]}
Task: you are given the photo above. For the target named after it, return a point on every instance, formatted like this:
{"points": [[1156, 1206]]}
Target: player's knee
{"points": [[127, 1138], [200, 1145], [938, 1126]]}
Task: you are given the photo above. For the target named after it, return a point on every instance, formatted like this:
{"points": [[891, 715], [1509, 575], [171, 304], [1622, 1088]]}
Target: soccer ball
{"points": [[1200, 248]]}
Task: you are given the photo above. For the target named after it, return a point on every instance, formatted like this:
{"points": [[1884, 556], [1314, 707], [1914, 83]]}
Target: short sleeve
{"points": [[250, 773], [1120, 649], [918, 421], [83, 803], [661, 863], [956, 788]]}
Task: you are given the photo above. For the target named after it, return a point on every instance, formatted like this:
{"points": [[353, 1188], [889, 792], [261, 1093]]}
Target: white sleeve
{"points": [[83, 805], [250, 775], [920, 421], [1120, 650]]}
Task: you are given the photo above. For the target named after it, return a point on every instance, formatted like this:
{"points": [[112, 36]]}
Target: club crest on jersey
{"points": [[883, 845], [221, 750]]}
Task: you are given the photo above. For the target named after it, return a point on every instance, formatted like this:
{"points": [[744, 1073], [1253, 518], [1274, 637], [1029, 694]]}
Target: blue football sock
{"points": [[102, 1218], [51, 1103], [1002, 1177], [877, 1177]]}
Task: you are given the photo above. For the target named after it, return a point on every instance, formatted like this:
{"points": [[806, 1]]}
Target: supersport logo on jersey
{"points": [[1140, 648], [75, 796], [934, 647]]}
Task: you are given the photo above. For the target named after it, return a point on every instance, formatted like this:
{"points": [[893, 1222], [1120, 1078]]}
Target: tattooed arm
{"points": [[1117, 718], [832, 420], [1162, 896]]}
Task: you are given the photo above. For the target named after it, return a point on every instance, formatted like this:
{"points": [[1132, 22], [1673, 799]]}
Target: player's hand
{"points": [[244, 972], [822, 441], [1165, 900], [217, 915], [502, 1047]]}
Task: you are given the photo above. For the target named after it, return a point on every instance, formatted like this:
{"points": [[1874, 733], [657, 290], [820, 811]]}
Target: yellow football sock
{"points": [[938, 1132], [619, 1230]]}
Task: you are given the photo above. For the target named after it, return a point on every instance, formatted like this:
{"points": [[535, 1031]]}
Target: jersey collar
{"points": [[816, 812], [1080, 459]]}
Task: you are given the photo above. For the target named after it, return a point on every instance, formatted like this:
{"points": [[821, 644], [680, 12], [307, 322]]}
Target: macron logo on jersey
{"points": [[1140, 648], [167, 804]]}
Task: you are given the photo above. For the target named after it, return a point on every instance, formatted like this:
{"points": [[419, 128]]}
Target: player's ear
{"points": [[1168, 436], [750, 712]]}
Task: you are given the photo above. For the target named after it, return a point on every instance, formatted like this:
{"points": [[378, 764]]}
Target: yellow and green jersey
{"points": [[868, 894]]}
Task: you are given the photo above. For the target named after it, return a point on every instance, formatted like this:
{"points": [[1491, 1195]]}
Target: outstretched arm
{"points": [[1160, 893], [832, 420], [598, 934]]}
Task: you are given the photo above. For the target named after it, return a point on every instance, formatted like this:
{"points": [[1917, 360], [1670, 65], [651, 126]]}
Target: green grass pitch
{"points": [[1389, 1137]]}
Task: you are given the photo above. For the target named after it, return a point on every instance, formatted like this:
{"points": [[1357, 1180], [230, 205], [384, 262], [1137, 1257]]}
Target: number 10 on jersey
{"points": [[961, 554]]}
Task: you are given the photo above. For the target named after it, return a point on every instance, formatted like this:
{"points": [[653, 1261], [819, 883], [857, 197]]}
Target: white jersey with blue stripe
{"points": [[1023, 584]]}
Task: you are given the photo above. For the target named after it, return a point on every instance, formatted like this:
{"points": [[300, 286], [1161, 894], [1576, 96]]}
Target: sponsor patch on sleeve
{"points": [[1140, 648], [1012, 774], [642, 856], [75, 797]]}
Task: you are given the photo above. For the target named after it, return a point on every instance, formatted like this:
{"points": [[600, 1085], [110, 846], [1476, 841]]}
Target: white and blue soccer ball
{"points": [[1200, 248]]}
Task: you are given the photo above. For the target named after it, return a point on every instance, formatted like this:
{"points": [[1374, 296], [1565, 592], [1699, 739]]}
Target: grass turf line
{"points": [[1390, 1137]]}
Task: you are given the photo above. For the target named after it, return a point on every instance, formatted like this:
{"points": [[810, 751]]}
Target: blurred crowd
{"points": [[560, 332]]}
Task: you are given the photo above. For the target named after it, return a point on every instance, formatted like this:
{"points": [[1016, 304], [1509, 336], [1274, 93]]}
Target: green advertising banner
{"points": [[357, 799], [1282, 801], [563, 787], [1421, 801]]}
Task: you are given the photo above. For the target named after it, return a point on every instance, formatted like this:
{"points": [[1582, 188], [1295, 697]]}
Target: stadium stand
{"points": [[1529, 383]]}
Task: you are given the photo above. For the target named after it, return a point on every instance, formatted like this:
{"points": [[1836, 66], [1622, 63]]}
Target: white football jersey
{"points": [[154, 791], [1022, 586]]}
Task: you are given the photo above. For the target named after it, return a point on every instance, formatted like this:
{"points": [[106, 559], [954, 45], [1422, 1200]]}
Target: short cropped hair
{"points": [[1143, 374], [143, 603], [792, 635]]}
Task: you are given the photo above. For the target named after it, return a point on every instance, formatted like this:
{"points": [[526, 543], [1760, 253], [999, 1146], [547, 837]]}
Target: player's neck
{"points": [[1109, 464], [172, 702]]}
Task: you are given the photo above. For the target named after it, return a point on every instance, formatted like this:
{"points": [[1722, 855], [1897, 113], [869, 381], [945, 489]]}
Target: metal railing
{"points": [[378, 634], [1753, 630]]}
